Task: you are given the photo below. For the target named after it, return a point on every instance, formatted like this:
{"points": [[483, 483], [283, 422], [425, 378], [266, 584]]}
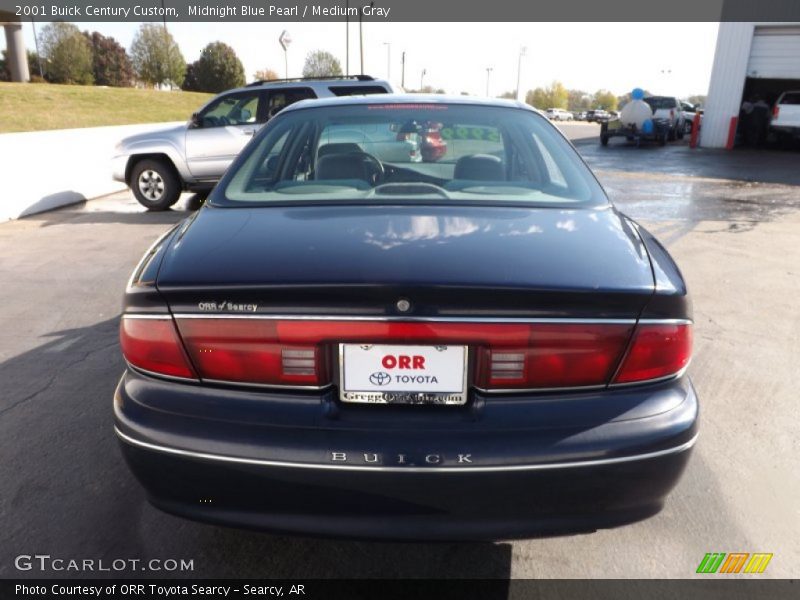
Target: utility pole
{"points": [[168, 48], [488, 74], [36, 42], [522, 52], [361, 33], [422, 78], [403, 71]]}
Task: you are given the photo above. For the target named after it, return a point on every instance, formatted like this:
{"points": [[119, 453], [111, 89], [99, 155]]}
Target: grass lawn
{"points": [[39, 106]]}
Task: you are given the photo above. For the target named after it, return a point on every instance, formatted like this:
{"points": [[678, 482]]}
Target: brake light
{"points": [[657, 350], [152, 344], [776, 110], [508, 356], [555, 356], [253, 351]]}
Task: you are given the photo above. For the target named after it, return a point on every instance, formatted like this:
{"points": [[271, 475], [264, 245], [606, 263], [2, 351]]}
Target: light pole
{"points": [[522, 52], [347, 39], [388, 59], [403, 71], [422, 78], [36, 42], [488, 74]]}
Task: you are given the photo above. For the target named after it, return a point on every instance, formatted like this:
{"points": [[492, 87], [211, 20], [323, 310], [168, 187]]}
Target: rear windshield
{"points": [[391, 152], [790, 98], [657, 102]]}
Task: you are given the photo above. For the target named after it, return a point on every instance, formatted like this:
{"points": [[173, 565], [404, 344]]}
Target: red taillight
{"points": [[253, 351], [657, 350], [555, 356], [152, 344], [776, 110], [508, 356]]}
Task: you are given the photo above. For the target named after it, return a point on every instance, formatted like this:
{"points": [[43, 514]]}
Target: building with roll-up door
{"points": [[751, 60]]}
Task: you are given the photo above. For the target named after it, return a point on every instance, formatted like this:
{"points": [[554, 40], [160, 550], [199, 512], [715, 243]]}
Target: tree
{"points": [[625, 98], [320, 63], [156, 57], [553, 96], [190, 83], [33, 67], [67, 54], [428, 89], [110, 62], [508, 95], [266, 75], [578, 100], [697, 100], [605, 99], [217, 69]]}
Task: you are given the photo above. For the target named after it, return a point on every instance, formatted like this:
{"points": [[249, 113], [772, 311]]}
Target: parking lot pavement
{"points": [[579, 130], [67, 493]]}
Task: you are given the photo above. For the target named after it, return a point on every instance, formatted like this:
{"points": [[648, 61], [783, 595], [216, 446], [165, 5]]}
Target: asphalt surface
{"points": [[66, 491]]}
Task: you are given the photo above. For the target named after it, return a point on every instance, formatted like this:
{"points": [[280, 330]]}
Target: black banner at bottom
{"points": [[408, 589]]}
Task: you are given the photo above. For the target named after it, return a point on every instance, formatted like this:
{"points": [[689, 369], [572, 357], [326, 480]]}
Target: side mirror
{"points": [[195, 121]]}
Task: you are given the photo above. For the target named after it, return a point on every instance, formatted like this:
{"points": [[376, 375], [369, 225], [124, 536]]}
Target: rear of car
{"points": [[668, 110], [785, 119], [349, 341]]}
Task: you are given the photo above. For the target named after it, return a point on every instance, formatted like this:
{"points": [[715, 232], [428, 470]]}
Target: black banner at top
{"points": [[400, 10]]}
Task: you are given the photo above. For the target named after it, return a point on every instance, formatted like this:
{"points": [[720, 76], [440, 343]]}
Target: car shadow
{"points": [[118, 208], [68, 492]]}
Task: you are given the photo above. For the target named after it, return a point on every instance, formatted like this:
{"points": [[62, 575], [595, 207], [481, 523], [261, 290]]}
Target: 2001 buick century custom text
{"points": [[347, 342]]}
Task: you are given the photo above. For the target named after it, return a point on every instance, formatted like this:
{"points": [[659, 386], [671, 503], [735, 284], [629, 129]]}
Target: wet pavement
{"points": [[679, 183]]}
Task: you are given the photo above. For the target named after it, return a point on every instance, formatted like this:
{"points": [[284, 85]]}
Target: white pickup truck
{"points": [[785, 122]]}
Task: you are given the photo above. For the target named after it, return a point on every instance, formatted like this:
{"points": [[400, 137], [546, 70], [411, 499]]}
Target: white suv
{"points": [[558, 114], [159, 165], [785, 120], [669, 110]]}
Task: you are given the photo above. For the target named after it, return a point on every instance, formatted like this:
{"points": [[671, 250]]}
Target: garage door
{"points": [[775, 53]]}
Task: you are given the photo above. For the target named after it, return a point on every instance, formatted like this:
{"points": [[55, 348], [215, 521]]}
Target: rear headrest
{"points": [[338, 148], [353, 165], [479, 167]]}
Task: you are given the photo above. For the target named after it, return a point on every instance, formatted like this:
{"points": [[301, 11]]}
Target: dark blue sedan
{"points": [[347, 340]]}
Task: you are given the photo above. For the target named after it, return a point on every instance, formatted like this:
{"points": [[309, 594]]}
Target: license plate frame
{"points": [[357, 389]]}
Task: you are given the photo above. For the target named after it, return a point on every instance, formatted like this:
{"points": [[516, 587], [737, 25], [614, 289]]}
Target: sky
{"points": [[664, 58]]}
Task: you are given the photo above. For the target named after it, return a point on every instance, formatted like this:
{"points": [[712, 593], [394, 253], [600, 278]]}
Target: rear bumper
{"points": [[501, 468], [790, 130]]}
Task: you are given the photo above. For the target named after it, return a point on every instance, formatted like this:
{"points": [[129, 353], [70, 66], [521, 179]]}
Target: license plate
{"points": [[387, 374]]}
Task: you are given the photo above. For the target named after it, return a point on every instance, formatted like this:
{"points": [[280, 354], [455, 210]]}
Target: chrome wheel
{"points": [[151, 185]]}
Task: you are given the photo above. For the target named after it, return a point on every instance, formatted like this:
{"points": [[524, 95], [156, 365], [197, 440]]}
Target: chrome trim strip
{"points": [[402, 318], [308, 388], [584, 388], [155, 375], [680, 373], [162, 317], [666, 321], [296, 465]]}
